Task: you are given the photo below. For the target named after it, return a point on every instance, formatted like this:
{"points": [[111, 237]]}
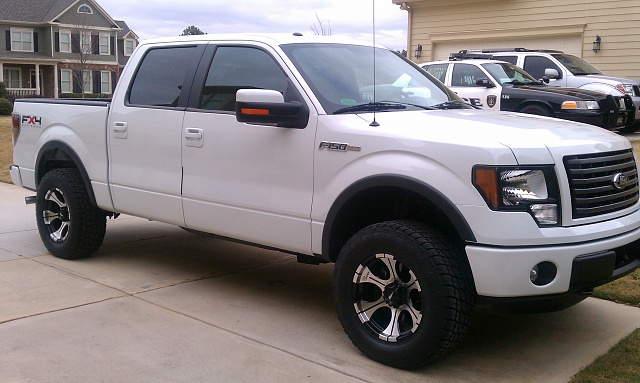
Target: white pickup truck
{"points": [[339, 151]]}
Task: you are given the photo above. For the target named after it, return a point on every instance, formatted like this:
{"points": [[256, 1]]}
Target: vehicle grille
{"points": [[593, 189]]}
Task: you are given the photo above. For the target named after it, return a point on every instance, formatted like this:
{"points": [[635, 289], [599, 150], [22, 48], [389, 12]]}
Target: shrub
{"points": [[4, 93], [6, 107]]}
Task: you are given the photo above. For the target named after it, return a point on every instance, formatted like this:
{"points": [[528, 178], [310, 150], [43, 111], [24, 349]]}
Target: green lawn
{"points": [[620, 364]]}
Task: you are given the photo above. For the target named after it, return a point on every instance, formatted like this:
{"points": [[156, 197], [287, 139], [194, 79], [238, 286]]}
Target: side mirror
{"points": [[485, 82], [267, 107], [552, 73], [544, 79]]}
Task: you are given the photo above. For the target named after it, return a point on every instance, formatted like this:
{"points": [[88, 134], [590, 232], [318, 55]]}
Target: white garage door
{"points": [[571, 44]]}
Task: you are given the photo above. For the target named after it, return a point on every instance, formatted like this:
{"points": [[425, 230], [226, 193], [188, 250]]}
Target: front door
{"points": [[247, 181]]}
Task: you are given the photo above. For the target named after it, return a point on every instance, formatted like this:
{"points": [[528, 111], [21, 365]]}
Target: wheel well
{"points": [[56, 155], [542, 105], [385, 203]]}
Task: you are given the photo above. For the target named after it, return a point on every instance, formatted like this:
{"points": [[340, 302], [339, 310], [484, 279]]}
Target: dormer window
{"points": [[84, 8]]}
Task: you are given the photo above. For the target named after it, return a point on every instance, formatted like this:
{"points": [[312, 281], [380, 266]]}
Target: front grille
{"points": [[602, 183]]}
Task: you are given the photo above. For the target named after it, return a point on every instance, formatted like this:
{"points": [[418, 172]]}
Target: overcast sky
{"points": [[352, 18]]}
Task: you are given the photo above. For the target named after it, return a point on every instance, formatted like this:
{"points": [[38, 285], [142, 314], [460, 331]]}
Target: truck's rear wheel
{"points": [[69, 226], [403, 293]]}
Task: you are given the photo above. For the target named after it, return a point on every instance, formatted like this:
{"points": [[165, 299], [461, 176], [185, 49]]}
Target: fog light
{"points": [[543, 273], [545, 214]]}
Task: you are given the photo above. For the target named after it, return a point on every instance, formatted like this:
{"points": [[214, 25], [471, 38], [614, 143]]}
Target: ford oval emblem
{"points": [[620, 180]]}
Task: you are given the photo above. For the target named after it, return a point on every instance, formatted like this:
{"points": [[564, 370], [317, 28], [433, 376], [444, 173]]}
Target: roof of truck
{"points": [[267, 38]]}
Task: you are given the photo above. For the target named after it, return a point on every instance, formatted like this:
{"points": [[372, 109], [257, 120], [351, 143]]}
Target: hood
{"points": [[610, 79], [531, 139], [582, 94]]}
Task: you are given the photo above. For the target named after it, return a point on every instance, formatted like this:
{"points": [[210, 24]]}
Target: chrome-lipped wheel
{"points": [[386, 296], [56, 215]]}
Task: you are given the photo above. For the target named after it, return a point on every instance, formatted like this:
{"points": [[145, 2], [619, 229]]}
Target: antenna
{"points": [[374, 123]]}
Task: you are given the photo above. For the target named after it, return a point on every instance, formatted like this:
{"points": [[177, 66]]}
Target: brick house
{"points": [[605, 33], [73, 45]]}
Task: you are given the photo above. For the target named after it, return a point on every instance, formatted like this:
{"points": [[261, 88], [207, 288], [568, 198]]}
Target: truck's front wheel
{"points": [[403, 294], [69, 226]]}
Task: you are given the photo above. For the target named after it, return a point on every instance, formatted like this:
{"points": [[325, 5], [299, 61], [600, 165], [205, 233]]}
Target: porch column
{"points": [[1, 72], [56, 91], [38, 79]]}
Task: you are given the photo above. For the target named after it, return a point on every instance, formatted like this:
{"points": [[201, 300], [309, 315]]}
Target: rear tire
{"points": [[403, 293], [69, 225]]}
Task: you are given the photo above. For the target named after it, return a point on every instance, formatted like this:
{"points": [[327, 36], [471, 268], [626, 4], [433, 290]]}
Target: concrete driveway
{"points": [[157, 304]]}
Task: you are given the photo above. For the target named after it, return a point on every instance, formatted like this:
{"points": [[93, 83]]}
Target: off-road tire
{"points": [[431, 291], [69, 225]]}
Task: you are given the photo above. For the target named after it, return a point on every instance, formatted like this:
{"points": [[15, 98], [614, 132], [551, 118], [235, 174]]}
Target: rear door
{"points": [[247, 181], [145, 134]]}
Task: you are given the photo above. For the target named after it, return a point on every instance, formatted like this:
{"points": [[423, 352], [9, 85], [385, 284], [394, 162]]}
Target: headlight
{"points": [[587, 105], [625, 88], [530, 189]]}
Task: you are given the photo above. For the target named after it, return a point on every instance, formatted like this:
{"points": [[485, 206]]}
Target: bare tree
{"points": [[83, 45], [321, 28]]}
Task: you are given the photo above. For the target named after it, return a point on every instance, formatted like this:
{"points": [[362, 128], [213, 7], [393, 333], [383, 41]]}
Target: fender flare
{"points": [[63, 147], [403, 182]]}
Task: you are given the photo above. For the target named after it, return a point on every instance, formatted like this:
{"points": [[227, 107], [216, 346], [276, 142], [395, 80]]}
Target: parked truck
{"points": [[341, 151]]}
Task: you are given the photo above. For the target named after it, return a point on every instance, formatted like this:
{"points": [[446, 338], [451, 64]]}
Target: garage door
{"points": [[571, 44]]}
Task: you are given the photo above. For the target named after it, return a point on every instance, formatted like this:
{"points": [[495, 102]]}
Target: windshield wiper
{"points": [[370, 107], [453, 104], [516, 82]]}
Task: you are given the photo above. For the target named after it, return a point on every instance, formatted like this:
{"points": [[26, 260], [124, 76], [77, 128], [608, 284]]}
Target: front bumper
{"points": [[610, 116], [503, 272]]}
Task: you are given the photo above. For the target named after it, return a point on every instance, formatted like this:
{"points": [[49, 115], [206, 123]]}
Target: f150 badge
{"points": [[338, 146], [31, 122]]}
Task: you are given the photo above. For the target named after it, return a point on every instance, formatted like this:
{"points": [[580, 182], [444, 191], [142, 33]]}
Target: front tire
{"points": [[69, 225], [403, 293]]}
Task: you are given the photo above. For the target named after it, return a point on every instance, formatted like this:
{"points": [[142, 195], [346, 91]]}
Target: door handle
{"points": [[193, 137], [193, 134], [119, 129]]}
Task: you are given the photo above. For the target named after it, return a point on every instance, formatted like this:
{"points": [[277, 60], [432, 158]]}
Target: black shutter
{"points": [[57, 41], [75, 43], [8, 34], [95, 44], [35, 42], [113, 82], [97, 82], [112, 42], [76, 81], [60, 82]]}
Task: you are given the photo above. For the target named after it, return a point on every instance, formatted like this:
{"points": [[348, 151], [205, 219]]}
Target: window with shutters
{"points": [[66, 81], [104, 44], [105, 82], [86, 79], [65, 41], [22, 40], [86, 43]]}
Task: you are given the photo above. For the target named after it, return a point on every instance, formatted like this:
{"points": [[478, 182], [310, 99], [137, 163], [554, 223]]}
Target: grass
{"points": [[6, 148], [620, 364]]}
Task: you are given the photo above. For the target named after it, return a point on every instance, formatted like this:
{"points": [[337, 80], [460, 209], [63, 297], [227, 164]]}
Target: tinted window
{"points": [[510, 59], [344, 76], [466, 75], [235, 68], [438, 71], [159, 79], [536, 65]]}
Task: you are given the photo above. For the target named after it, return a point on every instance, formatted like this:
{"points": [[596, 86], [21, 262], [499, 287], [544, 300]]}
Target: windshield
{"points": [[342, 77], [576, 65], [506, 73]]}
